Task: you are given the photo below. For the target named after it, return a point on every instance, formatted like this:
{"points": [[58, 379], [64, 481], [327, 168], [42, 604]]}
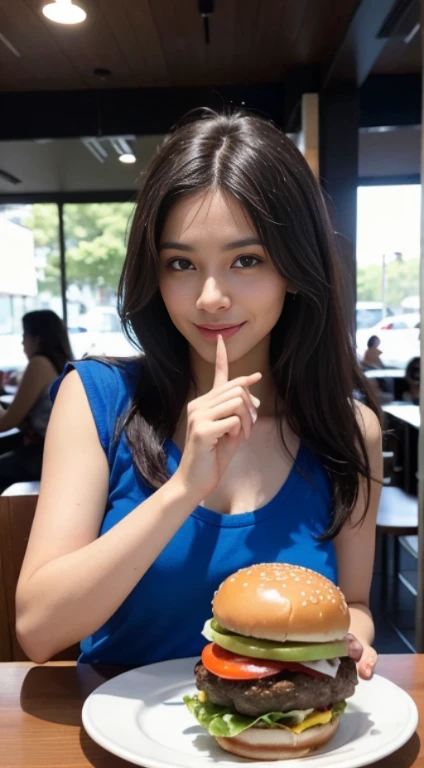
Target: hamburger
{"points": [[274, 678]]}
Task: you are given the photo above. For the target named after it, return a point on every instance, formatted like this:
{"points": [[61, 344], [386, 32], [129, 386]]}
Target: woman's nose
{"points": [[213, 296]]}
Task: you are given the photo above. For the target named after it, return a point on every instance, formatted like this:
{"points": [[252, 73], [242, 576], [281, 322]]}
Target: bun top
{"points": [[278, 601]]}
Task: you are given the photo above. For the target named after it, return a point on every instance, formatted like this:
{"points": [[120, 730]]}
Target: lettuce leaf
{"points": [[223, 721], [339, 708]]}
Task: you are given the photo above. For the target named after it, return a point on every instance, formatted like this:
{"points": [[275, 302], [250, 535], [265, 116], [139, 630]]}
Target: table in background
{"points": [[9, 439], [6, 400], [404, 411], [10, 389], [381, 373], [40, 720], [396, 375], [409, 415]]}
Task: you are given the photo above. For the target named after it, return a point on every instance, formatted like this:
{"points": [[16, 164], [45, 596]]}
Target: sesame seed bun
{"points": [[278, 743], [277, 601]]}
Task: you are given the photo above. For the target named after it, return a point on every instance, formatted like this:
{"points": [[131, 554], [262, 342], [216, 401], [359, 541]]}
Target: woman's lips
{"points": [[212, 334]]}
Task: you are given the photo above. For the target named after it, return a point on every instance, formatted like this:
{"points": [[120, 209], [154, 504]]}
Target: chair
{"points": [[397, 518], [16, 516]]}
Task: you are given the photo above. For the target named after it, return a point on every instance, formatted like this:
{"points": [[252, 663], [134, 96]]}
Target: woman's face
{"points": [[30, 344], [214, 270]]}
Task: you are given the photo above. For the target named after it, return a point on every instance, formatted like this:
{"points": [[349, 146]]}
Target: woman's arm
{"points": [[355, 546], [38, 374], [72, 581]]}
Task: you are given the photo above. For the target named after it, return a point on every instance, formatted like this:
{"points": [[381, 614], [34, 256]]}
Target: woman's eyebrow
{"points": [[241, 243], [174, 245]]}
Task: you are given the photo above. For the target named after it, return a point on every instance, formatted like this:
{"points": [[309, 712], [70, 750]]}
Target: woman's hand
{"points": [[364, 655], [216, 424]]}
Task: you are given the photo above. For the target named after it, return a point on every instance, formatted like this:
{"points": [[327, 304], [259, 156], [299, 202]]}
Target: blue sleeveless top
{"points": [[163, 616]]}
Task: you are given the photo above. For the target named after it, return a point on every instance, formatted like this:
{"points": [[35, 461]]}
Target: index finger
{"points": [[221, 364]]}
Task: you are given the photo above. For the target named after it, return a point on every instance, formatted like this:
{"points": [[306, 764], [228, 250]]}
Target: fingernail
{"points": [[253, 414], [255, 401]]}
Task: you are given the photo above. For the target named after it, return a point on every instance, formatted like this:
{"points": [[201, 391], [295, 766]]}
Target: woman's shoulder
{"points": [[104, 375], [368, 421], [109, 385], [41, 364]]}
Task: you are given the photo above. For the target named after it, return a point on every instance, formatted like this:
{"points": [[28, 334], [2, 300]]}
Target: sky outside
{"points": [[388, 220]]}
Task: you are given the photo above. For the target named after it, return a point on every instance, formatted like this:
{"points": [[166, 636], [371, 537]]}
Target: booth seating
{"points": [[16, 516]]}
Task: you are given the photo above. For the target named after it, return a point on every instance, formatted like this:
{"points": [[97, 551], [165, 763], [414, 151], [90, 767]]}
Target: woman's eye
{"points": [[179, 265], [248, 261]]}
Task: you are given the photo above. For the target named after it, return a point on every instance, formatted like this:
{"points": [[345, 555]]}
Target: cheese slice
{"points": [[317, 718], [325, 666]]}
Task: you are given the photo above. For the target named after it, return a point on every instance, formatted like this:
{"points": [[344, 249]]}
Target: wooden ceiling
{"points": [[147, 43]]}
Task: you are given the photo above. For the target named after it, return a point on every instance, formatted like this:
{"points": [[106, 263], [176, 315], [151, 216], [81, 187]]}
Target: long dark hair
{"points": [[311, 353], [53, 342]]}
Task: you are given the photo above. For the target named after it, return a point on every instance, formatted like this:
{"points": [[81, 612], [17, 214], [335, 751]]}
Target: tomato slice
{"points": [[232, 666]]}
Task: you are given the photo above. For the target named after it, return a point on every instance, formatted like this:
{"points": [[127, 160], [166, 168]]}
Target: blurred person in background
{"points": [[46, 345], [371, 361], [412, 376], [372, 355]]}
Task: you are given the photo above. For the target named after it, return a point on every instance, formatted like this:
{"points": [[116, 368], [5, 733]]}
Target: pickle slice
{"points": [[269, 649]]}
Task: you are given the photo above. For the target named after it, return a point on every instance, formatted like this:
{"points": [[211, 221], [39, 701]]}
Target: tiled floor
{"points": [[402, 608]]}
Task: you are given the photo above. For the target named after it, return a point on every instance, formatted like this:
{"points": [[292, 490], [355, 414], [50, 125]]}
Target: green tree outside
{"points": [[402, 280], [96, 237]]}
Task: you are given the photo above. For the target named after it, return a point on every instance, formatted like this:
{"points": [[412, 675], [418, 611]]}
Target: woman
{"points": [[412, 378], [372, 354], [152, 468], [46, 345]]}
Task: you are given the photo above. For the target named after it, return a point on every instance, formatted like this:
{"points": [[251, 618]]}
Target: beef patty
{"points": [[279, 693]]}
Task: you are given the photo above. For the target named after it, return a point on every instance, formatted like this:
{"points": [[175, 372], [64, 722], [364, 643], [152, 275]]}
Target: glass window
{"points": [[388, 268], [30, 273], [95, 238]]}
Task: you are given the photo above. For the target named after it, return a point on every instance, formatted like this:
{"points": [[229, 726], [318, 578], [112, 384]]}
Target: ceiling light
{"points": [[127, 157], [95, 147], [64, 12]]}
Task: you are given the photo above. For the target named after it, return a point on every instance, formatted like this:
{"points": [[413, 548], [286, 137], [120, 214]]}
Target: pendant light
{"points": [[64, 12]]}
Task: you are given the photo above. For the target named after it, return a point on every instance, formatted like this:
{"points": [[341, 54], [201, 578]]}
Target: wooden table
{"points": [[40, 714]]}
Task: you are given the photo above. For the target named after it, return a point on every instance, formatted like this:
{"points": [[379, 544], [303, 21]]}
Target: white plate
{"points": [[140, 716]]}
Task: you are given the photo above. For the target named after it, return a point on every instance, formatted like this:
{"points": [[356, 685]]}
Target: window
{"points": [[30, 273], [95, 243], [388, 268]]}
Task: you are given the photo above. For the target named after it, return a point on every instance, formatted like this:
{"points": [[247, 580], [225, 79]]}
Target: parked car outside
{"points": [[368, 313], [98, 332]]}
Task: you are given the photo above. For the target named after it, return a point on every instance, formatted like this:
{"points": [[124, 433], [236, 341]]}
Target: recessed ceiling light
{"points": [[127, 157], [64, 12]]}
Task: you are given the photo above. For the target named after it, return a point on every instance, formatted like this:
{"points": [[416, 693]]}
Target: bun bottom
{"points": [[277, 743]]}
